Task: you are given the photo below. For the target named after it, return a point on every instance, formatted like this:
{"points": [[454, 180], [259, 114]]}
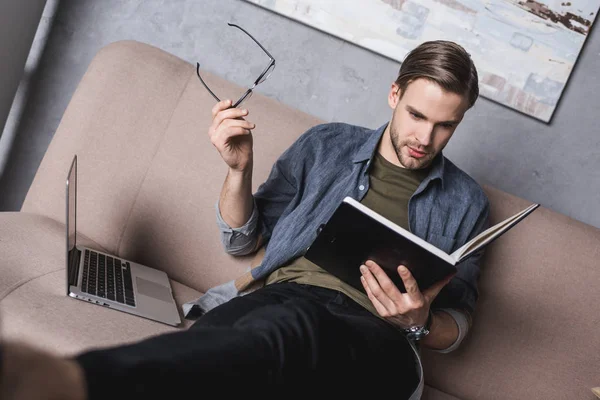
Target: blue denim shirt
{"points": [[329, 162], [307, 183]]}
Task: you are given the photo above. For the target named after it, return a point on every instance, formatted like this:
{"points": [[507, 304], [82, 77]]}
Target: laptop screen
{"points": [[71, 217]]}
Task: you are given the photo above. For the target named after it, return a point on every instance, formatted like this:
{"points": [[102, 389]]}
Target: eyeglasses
{"points": [[261, 78]]}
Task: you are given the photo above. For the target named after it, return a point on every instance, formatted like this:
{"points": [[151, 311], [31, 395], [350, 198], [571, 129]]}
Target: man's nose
{"points": [[425, 134]]}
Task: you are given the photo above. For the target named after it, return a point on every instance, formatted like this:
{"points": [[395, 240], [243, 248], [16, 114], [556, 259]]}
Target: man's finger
{"points": [[232, 113], [237, 128], [376, 303], [432, 292], [220, 106], [410, 283], [376, 288], [388, 287], [231, 123]]}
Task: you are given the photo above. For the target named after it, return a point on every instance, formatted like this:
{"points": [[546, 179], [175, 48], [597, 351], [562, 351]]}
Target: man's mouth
{"points": [[416, 154]]}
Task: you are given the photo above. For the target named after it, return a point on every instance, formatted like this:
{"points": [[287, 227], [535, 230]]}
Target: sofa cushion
{"points": [[535, 330], [33, 301], [430, 393], [39, 312]]}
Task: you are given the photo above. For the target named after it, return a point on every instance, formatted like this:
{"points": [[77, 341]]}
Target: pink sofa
{"points": [[148, 181]]}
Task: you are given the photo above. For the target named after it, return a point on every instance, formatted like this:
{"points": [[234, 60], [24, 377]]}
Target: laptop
{"points": [[109, 281]]}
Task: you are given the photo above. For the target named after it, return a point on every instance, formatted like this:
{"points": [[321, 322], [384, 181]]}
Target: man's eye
{"points": [[447, 126], [415, 116]]}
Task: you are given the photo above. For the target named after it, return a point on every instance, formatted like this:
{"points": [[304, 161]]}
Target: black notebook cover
{"points": [[351, 237]]}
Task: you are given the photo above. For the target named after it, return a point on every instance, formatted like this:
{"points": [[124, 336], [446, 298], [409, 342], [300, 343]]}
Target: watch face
{"points": [[417, 332]]}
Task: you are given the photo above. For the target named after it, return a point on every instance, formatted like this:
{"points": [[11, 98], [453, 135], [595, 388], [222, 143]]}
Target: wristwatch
{"points": [[418, 332]]}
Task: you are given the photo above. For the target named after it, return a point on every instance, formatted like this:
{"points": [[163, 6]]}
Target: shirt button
{"points": [[361, 187]]}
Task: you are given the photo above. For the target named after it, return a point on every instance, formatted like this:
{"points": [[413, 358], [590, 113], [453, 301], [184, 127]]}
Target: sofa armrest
{"points": [[31, 246]]}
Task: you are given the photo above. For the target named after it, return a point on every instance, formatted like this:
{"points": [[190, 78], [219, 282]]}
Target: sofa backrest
{"points": [[148, 175], [149, 179], [535, 331]]}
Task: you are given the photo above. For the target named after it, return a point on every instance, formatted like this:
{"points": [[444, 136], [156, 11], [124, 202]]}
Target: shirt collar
{"points": [[367, 151]]}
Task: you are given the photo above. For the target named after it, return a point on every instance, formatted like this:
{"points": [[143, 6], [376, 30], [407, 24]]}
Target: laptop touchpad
{"points": [[153, 289]]}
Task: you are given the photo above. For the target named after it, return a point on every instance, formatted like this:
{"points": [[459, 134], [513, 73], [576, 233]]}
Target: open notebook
{"points": [[355, 234]]}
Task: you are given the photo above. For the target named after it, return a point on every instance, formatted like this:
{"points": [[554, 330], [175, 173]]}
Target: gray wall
{"points": [[18, 24], [555, 164]]}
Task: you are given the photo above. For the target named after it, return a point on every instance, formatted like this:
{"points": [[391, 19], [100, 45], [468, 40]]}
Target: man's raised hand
{"points": [[231, 134]]}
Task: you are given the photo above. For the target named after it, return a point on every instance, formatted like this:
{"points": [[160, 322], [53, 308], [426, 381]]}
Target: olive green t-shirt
{"points": [[391, 187]]}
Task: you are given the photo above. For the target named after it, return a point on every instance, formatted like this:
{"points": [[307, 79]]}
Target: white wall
{"points": [[19, 20]]}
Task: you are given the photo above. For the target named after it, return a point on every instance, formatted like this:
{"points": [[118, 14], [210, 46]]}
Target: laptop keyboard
{"points": [[105, 277]]}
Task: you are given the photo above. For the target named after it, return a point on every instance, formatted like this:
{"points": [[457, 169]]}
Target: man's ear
{"points": [[394, 96]]}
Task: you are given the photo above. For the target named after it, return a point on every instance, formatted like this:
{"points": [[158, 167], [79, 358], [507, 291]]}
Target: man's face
{"points": [[423, 122]]}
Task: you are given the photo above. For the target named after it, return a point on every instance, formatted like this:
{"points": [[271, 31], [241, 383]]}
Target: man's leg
{"points": [[282, 334], [278, 334], [298, 338]]}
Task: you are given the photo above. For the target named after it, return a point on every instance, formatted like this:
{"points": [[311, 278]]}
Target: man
{"points": [[303, 327]]}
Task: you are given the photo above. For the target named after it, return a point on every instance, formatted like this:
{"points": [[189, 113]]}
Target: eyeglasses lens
{"points": [[266, 75]]}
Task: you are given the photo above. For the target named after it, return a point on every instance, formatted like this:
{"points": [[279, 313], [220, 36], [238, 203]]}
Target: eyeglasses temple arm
{"points": [[252, 37], [204, 83]]}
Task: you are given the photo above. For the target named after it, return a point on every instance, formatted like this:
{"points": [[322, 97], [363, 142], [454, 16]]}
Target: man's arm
{"points": [[405, 310], [272, 198], [266, 205], [236, 202], [448, 328], [447, 300], [246, 221], [231, 135], [456, 303], [237, 215]]}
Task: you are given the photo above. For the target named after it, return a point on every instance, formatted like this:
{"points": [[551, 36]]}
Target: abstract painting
{"points": [[524, 50]]}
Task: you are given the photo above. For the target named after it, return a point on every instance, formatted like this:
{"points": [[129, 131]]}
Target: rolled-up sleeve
{"points": [[238, 241], [462, 323]]}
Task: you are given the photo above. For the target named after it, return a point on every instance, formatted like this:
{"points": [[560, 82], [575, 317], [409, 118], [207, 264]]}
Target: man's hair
{"points": [[443, 62]]}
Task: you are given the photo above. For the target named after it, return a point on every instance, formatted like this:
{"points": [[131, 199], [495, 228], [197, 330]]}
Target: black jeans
{"points": [[284, 335]]}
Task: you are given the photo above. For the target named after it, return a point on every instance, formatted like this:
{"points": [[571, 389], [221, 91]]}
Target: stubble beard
{"points": [[406, 160]]}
